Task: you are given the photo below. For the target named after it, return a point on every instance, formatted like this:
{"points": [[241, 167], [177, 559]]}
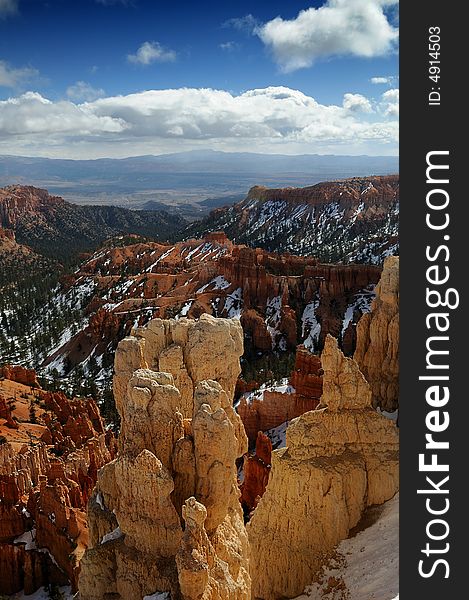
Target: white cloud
{"points": [[150, 52], [229, 46], [339, 27], [31, 114], [81, 90], [12, 78], [357, 103], [274, 119], [383, 80], [390, 103], [247, 24], [8, 7]]}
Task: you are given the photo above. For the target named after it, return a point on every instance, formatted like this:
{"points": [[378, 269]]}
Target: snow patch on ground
{"points": [[217, 283], [43, 594], [184, 310], [282, 387], [273, 317], [278, 435], [311, 328], [28, 538], [368, 564], [233, 304], [158, 596], [112, 535], [361, 301]]}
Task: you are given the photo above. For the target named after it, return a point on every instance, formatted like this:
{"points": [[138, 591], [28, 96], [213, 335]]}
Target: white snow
{"points": [[368, 563], [362, 301], [273, 317], [42, 594], [185, 309], [162, 257], [233, 304], [112, 535], [217, 283], [367, 188], [99, 500], [158, 596], [311, 328], [28, 538], [278, 435], [282, 387]]}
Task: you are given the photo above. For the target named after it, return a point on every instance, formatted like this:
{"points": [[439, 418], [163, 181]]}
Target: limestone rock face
{"points": [[377, 351], [339, 459], [180, 438]]}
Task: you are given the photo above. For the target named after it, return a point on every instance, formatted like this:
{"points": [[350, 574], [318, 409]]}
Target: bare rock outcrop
{"points": [[339, 459], [256, 471], [269, 408], [52, 447], [190, 350], [20, 374], [377, 351], [165, 515]]}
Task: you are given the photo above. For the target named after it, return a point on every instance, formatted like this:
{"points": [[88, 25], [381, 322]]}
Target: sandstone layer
{"points": [[339, 459], [377, 352], [165, 515], [51, 449]]}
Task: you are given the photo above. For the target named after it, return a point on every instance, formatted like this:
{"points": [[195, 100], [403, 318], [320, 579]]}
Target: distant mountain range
{"points": [[187, 178], [61, 230], [352, 220]]}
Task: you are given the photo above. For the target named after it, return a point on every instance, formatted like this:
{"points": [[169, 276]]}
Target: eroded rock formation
{"points": [[282, 300], [165, 515], [265, 409], [377, 352], [256, 471], [20, 375], [307, 374], [339, 459], [51, 449]]}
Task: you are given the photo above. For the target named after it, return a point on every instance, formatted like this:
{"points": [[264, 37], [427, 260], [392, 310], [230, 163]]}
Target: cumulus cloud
{"points": [[383, 80], [12, 78], [247, 24], [81, 90], [274, 119], [339, 27], [390, 103], [357, 103], [8, 7], [150, 52], [31, 113]]}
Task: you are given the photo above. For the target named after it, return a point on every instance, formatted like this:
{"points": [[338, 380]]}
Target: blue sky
{"points": [[64, 65]]}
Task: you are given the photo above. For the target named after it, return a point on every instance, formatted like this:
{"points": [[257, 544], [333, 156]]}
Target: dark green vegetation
{"points": [[69, 229]]}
